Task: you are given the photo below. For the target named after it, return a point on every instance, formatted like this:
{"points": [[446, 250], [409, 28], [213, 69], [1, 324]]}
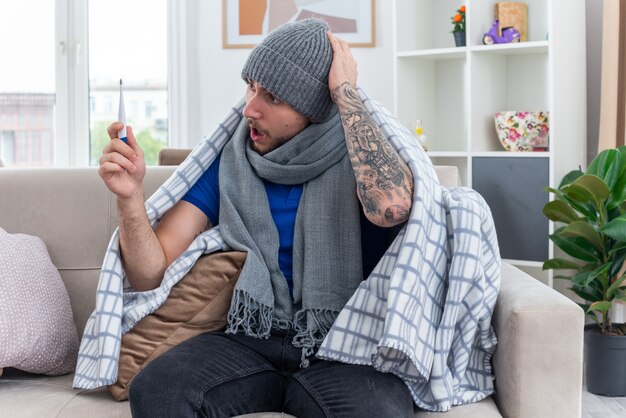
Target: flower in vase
{"points": [[458, 20]]}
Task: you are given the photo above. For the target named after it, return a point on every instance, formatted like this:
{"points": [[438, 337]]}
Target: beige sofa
{"points": [[538, 362]]}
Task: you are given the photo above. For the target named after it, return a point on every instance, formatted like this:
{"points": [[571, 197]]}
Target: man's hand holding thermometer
{"points": [[122, 164]]}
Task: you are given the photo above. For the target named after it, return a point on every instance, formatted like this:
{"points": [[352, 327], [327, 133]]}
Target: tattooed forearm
{"points": [[395, 213], [384, 181], [371, 199]]}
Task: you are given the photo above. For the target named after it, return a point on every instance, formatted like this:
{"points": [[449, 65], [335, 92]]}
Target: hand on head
{"points": [[343, 68], [122, 166]]}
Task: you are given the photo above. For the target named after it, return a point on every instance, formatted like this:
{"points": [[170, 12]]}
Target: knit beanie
{"points": [[293, 62]]}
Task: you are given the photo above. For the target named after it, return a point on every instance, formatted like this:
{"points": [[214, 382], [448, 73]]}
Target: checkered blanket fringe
{"points": [[424, 313]]}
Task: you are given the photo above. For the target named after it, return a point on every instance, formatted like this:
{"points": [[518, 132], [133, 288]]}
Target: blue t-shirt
{"points": [[283, 201]]}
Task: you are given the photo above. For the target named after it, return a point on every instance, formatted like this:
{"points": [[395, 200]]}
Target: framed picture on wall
{"points": [[246, 22]]}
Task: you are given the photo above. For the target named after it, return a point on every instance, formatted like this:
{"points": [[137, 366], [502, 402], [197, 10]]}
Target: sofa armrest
{"points": [[172, 156], [538, 361]]}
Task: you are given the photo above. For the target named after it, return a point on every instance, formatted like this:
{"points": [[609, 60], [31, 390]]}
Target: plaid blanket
{"points": [[424, 313]]}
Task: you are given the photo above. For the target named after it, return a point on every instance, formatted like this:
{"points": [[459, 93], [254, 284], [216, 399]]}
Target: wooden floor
{"points": [[595, 406]]}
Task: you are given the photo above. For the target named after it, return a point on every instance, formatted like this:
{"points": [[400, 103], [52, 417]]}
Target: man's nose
{"points": [[252, 109]]}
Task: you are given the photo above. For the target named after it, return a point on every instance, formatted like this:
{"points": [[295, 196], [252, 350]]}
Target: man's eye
{"points": [[250, 85], [274, 99]]}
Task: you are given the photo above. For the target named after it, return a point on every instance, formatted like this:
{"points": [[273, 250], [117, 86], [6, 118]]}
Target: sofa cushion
{"points": [[29, 396], [37, 331], [199, 302]]}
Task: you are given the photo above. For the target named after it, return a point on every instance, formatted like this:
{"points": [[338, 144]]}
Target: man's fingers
{"points": [[117, 145], [132, 141], [119, 160], [114, 128], [109, 168], [334, 42]]}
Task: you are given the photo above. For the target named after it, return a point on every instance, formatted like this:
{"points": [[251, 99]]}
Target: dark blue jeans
{"points": [[222, 375]]}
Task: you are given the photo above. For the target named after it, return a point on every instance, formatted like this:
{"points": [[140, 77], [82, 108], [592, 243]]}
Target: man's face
{"points": [[272, 122]]}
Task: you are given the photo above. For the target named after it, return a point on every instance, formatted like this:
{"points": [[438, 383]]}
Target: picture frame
{"points": [[246, 22]]}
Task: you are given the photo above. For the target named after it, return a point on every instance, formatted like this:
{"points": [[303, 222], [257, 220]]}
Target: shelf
{"points": [[437, 53], [521, 48], [512, 154], [538, 13], [502, 82], [456, 91], [426, 98], [447, 153], [524, 263]]}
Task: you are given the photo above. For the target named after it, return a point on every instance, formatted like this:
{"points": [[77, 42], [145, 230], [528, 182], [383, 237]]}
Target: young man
{"points": [[285, 189]]}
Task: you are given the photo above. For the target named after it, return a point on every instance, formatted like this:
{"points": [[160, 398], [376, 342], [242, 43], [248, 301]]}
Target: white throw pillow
{"points": [[37, 330]]}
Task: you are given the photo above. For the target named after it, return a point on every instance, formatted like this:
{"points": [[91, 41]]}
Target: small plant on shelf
{"points": [[458, 21]]}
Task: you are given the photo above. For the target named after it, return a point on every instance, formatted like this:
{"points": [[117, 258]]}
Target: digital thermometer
{"points": [[121, 116]]}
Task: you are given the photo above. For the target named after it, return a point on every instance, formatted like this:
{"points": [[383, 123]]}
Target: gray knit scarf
{"points": [[327, 266]]}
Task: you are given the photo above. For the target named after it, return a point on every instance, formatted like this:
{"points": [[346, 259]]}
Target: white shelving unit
{"points": [[455, 91]]}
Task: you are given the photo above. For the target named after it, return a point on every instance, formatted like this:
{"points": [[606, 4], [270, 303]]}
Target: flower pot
{"points": [[459, 38], [605, 362]]}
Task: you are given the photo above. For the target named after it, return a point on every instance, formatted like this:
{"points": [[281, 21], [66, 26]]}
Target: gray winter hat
{"points": [[293, 62]]}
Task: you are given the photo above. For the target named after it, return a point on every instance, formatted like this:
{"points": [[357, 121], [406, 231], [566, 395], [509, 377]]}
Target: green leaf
{"points": [[615, 286], [559, 211], [600, 306], [618, 192], [585, 209], [616, 228], [583, 230], [619, 247], [575, 247], [589, 313], [621, 294], [586, 295], [617, 261], [570, 177], [609, 167], [578, 194], [583, 279], [588, 188], [622, 151], [560, 264], [613, 213], [592, 168], [553, 190], [597, 287]]}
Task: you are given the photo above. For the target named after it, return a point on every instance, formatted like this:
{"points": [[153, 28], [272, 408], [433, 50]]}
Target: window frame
{"points": [[72, 107]]}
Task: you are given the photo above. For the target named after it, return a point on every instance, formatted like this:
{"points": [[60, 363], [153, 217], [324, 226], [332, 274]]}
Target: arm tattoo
{"points": [[383, 178], [395, 213]]}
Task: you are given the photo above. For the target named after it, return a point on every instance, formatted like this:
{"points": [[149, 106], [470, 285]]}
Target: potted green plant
{"points": [[458, 20], [590, 211]]}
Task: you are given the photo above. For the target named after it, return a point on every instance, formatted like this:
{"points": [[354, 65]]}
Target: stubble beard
{"points": [[270, 142]]}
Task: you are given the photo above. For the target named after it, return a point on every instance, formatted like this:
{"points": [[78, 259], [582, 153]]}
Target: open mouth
{"points": [[256, 135]]}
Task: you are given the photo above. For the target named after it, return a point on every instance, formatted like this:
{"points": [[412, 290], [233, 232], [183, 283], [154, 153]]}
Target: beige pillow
{"points": [[199, 302], [37, 330]]}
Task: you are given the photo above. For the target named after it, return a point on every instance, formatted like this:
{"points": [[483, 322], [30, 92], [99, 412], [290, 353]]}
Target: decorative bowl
{"points": [[523, 131]]}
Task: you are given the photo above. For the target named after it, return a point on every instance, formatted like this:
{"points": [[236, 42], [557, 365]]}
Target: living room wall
{"points": [[213, 73]]}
